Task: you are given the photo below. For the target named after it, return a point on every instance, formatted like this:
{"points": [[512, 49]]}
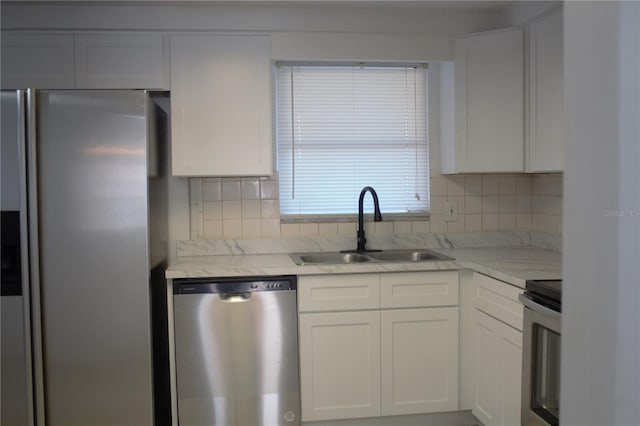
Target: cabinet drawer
{"points": [[498, 299], [419, 289], [338, 292]]}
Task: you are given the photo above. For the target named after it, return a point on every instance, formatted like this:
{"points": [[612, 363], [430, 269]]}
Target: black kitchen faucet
{"points": [[377, 217]]}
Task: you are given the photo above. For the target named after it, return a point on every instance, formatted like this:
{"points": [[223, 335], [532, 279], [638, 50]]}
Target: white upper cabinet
{"points": [[83, 61], [37, 60], [119, 61], [546, 140], [489, 103], [221, 105]]}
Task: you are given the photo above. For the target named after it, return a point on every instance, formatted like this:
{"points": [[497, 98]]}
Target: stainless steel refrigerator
{"points": [[87, 179]]}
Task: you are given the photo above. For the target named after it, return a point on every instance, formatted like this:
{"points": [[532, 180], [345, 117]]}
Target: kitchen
{"points": [[336, 35]]}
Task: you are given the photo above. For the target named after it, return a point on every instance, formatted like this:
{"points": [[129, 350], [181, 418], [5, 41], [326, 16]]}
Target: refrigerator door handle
{"points": [[34, 256]]}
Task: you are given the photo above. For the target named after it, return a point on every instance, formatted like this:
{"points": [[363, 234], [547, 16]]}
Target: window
{"points": [[341, 128]]}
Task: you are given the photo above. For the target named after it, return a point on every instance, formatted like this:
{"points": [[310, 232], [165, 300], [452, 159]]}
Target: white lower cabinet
{"points": [[497, 354], [340, 365], [498, 361], [371, 361], [419, 360]]}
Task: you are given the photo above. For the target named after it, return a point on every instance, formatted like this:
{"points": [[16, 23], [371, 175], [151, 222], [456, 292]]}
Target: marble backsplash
{"points": [[387, 242]]}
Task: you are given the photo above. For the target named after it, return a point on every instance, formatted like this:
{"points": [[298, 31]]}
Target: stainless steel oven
{"points": [[541, 353]]}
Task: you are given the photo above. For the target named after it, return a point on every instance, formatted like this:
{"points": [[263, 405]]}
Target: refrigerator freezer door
{"points": [[94, 273], [15, 389]]}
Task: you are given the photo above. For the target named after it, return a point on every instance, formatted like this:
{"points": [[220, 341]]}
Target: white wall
{"points": [[601, 319], [520, 12], [299, 32], [382, 18]]}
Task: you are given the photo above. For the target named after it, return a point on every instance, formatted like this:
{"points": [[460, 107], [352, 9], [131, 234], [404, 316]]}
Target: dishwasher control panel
{"points": [[234, 285]]}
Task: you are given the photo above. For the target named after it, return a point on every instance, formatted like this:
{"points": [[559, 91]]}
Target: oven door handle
{"points": [[526, 301]]}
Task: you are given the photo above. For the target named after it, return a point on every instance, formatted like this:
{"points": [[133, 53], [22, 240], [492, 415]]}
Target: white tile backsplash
{"points": [[473, 185], [421, 226], [251, 228], [308, 229], [231, 191], [250, 190], [507, 204], [546, 204], [326, 229], [472, 222], [490, 185], [523, 185], [211, 190], [347, 228], [231, 210], [455, 186], [270, 227], [507, 185], [212, 210], [232, 228], [213, 229], [269, 190], [491, 204], [473, 204], [402, 227], [490, 221], [249, 208]]}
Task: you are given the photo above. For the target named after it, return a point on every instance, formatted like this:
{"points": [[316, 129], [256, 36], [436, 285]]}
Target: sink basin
{"points": [[407, 256], [329, 257], [372, 257]]}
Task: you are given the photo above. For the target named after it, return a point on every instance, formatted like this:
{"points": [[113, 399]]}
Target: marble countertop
{"points": [[514, 265]]}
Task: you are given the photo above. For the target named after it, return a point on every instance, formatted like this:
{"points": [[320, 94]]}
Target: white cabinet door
{"points": [[119, 61], [340, 365], [511, 374], [221, 105], [497, 371], [37, 60], [419, 360], [489, 97], [546, 139]]}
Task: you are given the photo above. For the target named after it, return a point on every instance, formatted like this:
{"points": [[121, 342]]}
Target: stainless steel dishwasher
{"points": [[236, 347]]}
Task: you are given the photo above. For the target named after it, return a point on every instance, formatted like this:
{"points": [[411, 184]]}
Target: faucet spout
{"points": [[377, 216]]}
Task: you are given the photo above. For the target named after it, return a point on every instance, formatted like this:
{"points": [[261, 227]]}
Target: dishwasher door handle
{"points": [[235, 297]]}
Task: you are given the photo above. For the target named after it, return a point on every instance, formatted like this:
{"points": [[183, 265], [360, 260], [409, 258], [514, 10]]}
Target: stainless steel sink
{"points": [[421, 255], [407, 256], [329, 257]]}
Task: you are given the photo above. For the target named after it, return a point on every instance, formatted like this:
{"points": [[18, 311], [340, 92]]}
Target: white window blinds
{"points": [[341, 128]]}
